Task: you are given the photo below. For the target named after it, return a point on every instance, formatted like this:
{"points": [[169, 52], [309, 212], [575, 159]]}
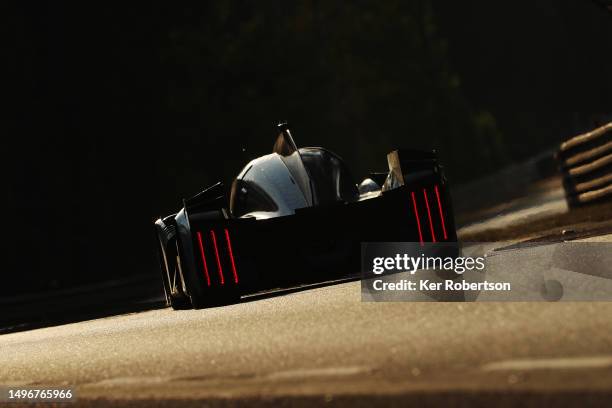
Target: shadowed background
{"points": [[121, 111]]}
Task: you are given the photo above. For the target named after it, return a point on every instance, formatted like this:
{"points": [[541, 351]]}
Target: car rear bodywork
{"points": [[296, 216]]}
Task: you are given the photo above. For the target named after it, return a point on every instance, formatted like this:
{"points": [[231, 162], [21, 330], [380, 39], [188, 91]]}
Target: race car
{"points": [[296, 216]]}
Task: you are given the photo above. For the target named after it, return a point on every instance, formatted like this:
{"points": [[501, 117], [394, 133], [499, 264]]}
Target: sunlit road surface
{"points": [[325, 345], [548, 202]]}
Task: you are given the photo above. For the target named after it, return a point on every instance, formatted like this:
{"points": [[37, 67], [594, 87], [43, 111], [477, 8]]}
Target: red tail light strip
{"points": [[214, 240], [416, 215], [203, 258], [441, 212], [431, 228], [231, 254]]}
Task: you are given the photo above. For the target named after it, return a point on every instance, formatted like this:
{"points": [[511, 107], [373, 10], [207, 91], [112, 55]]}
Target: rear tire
{"points": [[180, 303]]}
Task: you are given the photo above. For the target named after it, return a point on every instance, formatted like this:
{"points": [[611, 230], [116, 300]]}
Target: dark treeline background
{"points": [[121, 110]]}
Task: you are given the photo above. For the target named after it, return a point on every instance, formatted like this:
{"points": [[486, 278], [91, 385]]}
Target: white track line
{"points": [[550, 363]]}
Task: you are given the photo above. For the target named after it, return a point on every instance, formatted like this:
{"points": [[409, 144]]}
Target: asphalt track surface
{"points": [[325, 346]]}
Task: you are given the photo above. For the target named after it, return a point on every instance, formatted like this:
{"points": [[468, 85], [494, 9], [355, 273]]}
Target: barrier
{"points": [[585, 162]]}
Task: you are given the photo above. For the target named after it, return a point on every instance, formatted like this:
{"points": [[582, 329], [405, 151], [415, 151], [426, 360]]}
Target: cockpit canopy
{"points": [[290, 178]]}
